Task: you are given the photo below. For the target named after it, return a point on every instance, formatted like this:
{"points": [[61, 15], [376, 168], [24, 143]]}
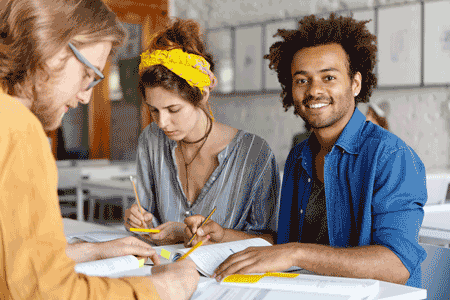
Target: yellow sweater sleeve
{"points": [[33, 261]]}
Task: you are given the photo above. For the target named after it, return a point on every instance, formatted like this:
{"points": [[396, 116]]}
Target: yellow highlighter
{"points": [[145, 230]]}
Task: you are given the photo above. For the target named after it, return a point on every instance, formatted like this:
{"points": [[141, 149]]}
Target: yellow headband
{"points": [[192, 68]]}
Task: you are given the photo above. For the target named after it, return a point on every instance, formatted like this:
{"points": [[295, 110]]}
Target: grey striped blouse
{"points": [[245, 186]]}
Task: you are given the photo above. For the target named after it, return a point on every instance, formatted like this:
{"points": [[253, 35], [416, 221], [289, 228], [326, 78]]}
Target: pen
{"points": [[203, 223], [190, 251], [145, 230], [137, 197]]}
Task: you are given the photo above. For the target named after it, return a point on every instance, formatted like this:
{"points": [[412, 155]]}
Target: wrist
{"points": [[180, 232]]}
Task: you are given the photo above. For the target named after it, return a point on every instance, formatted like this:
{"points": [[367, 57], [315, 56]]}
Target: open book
{"points": [[208, 258]]}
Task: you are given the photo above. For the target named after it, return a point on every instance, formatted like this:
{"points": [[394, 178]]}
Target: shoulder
{"points": [[376, 141], [254, 142], [375, 136], [21, 133], [18, 121], [151, 136]]}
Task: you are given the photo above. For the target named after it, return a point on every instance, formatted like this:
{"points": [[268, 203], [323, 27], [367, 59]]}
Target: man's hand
{"points": [[176, 281], [171, 233], [82, 252], [257, 260], [134, 218], [211, 228]]}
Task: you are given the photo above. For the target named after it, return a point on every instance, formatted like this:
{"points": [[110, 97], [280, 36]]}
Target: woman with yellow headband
{"points": [[188, 163]]}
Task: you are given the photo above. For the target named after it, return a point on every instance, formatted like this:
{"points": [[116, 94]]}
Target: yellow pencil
{"points": [[145, 230], [190, 251], [137, 197], [203, 223]]}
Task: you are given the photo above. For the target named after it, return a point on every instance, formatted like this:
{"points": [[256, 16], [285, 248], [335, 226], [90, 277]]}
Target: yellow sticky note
{"points": [[141, 263], [238, 278], [277, 274], [165, 253]]}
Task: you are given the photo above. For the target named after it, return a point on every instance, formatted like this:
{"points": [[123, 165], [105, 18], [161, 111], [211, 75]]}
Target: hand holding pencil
{"points": [[136, 216], [198, 227]]}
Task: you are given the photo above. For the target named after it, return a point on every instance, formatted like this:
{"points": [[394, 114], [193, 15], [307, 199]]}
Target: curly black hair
{"points": [[358, 43]]}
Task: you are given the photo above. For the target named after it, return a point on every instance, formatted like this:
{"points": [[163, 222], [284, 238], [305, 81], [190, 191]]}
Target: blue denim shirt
{"points": [[375, 192]]}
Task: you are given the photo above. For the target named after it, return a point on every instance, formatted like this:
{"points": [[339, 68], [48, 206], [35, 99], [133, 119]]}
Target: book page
{"points": [[208, 258], [109, 266]]}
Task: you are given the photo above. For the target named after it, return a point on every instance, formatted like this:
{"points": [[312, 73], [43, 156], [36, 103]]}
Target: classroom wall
{"points": [[419, 116]]}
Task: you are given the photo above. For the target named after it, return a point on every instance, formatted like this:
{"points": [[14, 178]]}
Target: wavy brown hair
{"points": [[358, 43], [181, 34], [32, 31]]}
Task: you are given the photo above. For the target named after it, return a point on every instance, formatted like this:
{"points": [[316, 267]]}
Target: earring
{"points": [[211, 113], [356, 94]]}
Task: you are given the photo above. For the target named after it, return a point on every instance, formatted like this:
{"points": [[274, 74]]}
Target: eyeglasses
{"points": [[83, 60]]}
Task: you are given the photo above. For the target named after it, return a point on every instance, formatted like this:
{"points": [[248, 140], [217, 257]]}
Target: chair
{"points": [[106, 173], [436, 272], [437, 187]]}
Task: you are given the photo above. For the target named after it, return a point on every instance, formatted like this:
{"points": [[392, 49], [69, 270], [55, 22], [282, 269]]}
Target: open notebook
{"points": [[206, 258]]}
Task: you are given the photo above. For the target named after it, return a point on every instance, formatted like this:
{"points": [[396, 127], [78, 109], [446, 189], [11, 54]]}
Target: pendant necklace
{"points": [[187, 164]]}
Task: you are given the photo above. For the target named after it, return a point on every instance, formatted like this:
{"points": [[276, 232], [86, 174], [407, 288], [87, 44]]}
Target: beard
{"points": [[44, 109], [324, 123]]}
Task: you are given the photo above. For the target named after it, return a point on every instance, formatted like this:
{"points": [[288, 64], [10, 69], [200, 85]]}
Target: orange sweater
{"points": [[33, 260]]}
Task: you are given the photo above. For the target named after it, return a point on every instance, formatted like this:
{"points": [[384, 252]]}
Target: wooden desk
{"points": [[388, 291]]}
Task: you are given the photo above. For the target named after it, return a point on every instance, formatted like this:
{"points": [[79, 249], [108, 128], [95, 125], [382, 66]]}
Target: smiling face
{"points": [[67, 87], [177, 117], [322, 89]]}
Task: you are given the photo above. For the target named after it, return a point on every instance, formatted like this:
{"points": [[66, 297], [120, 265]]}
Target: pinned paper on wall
{"points": [[399, 49]]}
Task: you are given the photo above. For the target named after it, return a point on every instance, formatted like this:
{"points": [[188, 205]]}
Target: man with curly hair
{"points": [[353, 193]]}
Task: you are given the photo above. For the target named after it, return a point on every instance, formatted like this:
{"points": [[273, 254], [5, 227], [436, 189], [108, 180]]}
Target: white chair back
{"points": [[437, 187], [436, 272]]}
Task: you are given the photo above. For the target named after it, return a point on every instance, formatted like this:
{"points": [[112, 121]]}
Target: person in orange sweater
{"points": [[52, 53]]}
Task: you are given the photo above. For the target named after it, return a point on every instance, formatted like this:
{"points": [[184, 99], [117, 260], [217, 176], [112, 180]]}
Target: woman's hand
{"points": [[211, 228], [134, 218], [171, 233]]}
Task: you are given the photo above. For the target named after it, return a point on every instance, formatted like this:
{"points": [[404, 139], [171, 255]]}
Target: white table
{"points": [[103, 188], [388, 291], [436, 223], [97, 178]]}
